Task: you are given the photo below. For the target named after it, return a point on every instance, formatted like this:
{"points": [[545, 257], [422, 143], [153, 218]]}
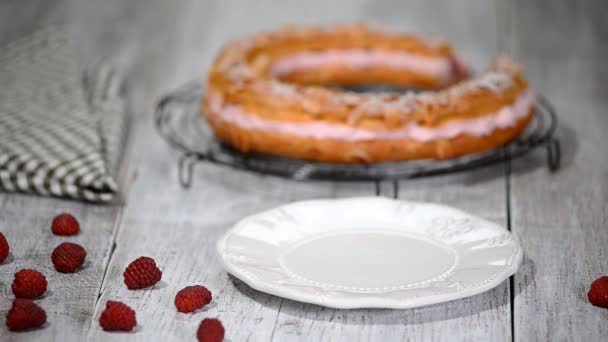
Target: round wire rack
{"points": [[179, 122]]}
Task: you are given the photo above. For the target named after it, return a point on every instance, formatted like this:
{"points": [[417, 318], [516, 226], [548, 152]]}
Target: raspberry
{"points": [[25, 314], [191, 298], [29, 284], [598, 293], [210, 330], [4, 248], [67, 257], [142, 273], [65, 224], [117, 317]]}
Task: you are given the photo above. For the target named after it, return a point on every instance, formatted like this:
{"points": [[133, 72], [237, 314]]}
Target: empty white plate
{"points": [[370, 252]]}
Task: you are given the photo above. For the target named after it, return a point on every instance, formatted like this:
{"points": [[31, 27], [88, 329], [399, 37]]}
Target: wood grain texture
{"points": [[487, 316], [101, 30], [561, 218], [25, 220], [179, 227], [471, 27], [70, 299]]}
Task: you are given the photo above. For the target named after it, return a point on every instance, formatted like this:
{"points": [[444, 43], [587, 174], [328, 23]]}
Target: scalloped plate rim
{"points": [[364, 302]]}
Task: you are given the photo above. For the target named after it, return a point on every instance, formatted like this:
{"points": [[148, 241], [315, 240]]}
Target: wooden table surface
{"points": [[561, 219]]}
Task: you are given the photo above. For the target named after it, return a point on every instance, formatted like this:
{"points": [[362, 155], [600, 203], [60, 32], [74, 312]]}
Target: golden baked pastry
{"points": [[271, 93]]}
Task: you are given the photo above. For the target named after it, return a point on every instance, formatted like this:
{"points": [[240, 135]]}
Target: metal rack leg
{"points": [[553, 154], [186, 169]]}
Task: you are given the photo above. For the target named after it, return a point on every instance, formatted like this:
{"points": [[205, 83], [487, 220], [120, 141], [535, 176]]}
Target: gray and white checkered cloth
{"points": [[61, 129]]}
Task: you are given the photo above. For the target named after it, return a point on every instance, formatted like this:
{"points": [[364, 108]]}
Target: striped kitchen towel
{"points": [[61, 129]]}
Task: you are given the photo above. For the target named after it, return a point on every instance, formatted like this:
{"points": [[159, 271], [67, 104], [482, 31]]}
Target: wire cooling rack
{"points": [[179, 122]]}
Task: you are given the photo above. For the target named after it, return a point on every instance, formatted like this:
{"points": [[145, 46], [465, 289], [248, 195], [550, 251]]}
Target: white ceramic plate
{"points": [[369, 253]]}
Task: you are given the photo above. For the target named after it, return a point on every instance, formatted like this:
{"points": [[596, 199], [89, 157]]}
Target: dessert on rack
{"points": [[275, 93]]}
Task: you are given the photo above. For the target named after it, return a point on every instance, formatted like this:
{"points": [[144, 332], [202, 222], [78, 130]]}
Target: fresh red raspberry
{"points": [[68, 257], [142, 273], [117, 317], [4, 248], [598, 293], [25, 314], [192, 298], [65, 224], [29, 284], [210, 330]]}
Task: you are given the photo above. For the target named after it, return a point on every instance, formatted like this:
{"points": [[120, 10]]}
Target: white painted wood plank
{"points": [[156, 203], [179, 227], [103, 30], [70, 299], [25, 220], [471, 26], [561, 218], [485, 317]]}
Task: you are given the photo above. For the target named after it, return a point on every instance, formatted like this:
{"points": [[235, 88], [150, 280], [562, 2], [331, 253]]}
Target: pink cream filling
{"points": [[504, 118], [441, 67]]}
